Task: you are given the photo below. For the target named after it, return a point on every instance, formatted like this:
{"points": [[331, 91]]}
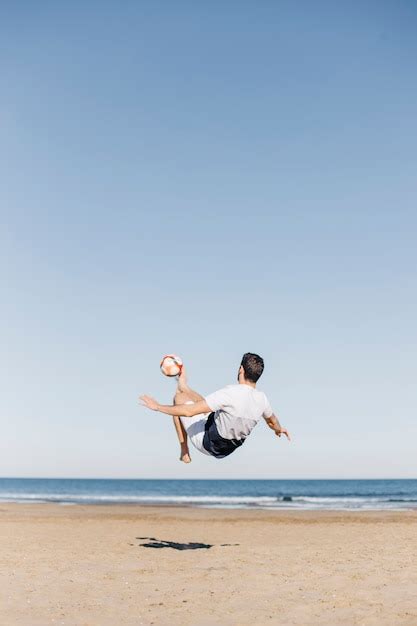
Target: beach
{"points": [[186, 566]]}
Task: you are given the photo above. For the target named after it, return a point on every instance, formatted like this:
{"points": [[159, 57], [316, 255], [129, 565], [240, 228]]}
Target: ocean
{"points": [[247, 494]]}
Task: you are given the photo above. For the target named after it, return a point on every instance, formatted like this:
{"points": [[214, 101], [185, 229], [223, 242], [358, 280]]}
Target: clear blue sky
{"points": [[208, 178]]}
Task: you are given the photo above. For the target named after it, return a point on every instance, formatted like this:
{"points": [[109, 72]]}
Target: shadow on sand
{"points": [[151, 542]]}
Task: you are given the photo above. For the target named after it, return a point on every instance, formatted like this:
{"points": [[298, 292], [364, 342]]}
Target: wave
{"points": [[219, 501]]}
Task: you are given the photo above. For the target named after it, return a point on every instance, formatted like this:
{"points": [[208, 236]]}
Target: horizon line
{"points": [[182, 478]]}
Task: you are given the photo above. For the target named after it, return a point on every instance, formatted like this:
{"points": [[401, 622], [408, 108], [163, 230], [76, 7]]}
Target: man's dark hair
{"points": [[253, 364]]}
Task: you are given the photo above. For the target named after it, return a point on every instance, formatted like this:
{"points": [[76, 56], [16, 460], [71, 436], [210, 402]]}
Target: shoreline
{"points": [[209, 507], [130, 512]]}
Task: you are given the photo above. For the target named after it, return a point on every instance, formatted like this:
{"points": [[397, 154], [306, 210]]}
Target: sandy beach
{"points": [[88, 565]]}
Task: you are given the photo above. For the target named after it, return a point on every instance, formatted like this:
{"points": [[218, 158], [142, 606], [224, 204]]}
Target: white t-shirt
{"points": [[238, 408]]}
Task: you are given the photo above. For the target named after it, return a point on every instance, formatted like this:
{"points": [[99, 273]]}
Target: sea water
{"points": [[261, 494]]}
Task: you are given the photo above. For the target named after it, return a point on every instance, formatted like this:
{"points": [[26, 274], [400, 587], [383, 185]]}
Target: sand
{"points": [[87, 565]]}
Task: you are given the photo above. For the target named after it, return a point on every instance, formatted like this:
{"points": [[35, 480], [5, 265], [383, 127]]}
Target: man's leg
{"points": [[184, 394]]}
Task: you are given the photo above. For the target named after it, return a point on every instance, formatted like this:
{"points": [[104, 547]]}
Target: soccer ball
{"points": [[171, 365]]}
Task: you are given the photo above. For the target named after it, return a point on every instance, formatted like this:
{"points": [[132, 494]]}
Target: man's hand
{"points": [[149, 402], [274, 424], [282, 431]]}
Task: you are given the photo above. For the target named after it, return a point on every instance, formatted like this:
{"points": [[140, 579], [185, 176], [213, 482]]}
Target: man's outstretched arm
{"points": [[274, 424], [179, 410]]}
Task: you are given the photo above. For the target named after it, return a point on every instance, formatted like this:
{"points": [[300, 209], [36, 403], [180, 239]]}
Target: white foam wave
{"points": [[134, 498], [264, 502]]}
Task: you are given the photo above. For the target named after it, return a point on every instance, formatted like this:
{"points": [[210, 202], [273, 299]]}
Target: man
{"points": [[220, 422]]}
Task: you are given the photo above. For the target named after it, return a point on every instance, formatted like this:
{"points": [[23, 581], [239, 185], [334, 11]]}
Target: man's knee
{"points": [[181, 397]]}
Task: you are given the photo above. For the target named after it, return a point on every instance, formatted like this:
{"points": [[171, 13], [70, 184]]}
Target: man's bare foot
{"points": [[185, 455], [182, 381]]}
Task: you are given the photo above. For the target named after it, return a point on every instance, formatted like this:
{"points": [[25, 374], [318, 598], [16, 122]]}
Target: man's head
{"points": [[251, 367]]}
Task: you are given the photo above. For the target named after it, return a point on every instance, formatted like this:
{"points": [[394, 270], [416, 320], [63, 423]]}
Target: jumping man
{"points": [[220, 422]]}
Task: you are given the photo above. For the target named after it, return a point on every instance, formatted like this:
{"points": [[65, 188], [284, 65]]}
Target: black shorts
{"points": [[215, 444]]}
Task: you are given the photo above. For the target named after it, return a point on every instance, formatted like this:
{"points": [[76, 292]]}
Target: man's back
{"points": [[238, 408]]}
